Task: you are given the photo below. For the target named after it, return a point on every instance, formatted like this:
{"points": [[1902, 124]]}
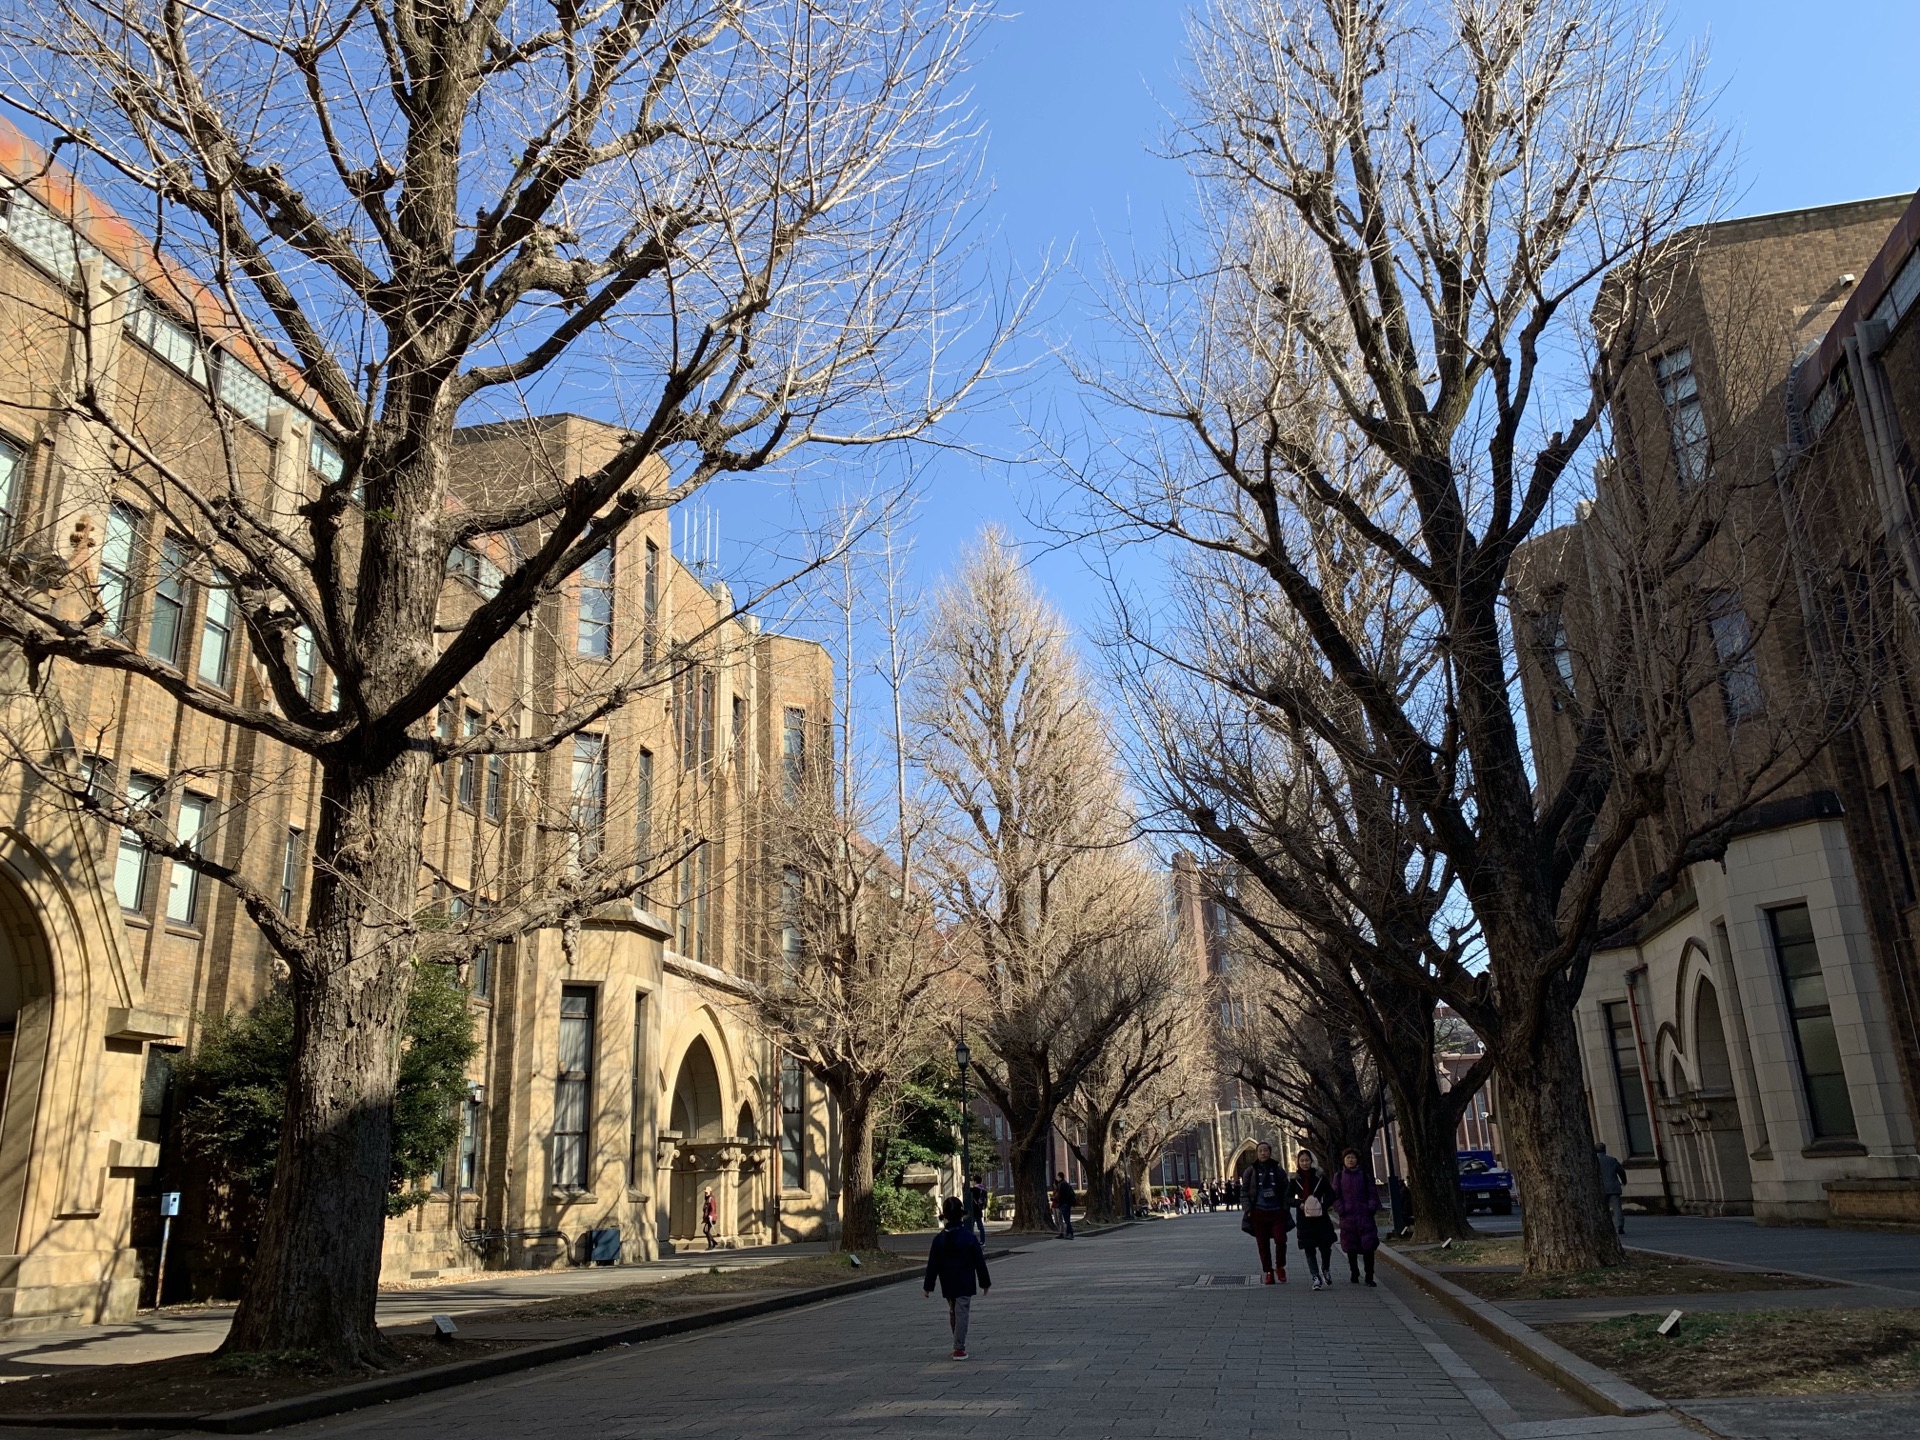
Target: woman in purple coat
{"points": [[1356, 1198]]}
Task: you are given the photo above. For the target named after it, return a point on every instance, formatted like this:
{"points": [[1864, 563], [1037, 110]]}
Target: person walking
{"points": [[1315, 1210], [1400, 1205], [1613, 1185], [957, 1261], [1269, 1213], [709, 1214], [1063, 1203], [977, 1207], [1356, 1196]]}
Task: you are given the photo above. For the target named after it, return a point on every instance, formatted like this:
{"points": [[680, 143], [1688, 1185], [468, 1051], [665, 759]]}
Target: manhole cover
{"points": [[1224, 1282]]}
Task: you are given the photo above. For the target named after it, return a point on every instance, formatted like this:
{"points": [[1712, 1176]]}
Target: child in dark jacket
{"points": [[956, 1260]]}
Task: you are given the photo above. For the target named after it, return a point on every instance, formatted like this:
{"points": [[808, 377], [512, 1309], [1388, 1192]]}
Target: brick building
{"points": [[615, 1078], [1749, 1045]]}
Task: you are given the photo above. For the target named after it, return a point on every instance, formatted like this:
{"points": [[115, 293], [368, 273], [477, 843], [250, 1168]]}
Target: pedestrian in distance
{"points": [[1269, 1213], [1400, 1204], [959, 1263], [1315, 1211], [977, 1208], [1613, 1185], [709, 1216], [1357, 1198], [1063, 1203]]}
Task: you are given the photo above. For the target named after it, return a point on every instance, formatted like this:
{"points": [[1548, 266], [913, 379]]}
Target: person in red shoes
{"points": [[1268, 1212]]}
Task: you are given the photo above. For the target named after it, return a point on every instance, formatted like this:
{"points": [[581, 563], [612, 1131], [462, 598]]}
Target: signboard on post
{"points": [[170, 1203]]}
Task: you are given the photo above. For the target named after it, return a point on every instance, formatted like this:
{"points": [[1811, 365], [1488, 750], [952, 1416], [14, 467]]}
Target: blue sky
{"points": [[1820, 101]]}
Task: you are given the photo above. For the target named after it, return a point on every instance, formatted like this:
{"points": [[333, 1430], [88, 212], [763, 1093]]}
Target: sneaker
{"points": [[1266, 1277], [1370, 1284], [959, 1354], [1316, 1282]]}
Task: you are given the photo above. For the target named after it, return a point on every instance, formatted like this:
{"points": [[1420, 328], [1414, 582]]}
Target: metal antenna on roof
{"points": [[699, 547]]}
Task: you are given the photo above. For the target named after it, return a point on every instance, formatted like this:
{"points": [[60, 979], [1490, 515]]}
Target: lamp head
{"points": [[962, 1055]]}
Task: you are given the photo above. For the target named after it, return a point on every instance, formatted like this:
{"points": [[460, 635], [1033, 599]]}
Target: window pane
{"points": [[290, 872], [183, 890], [496, 786], [116, 566], [589, 795], [245, 393], [793, 1168], [216, 633], [572, 1100], [596, 606], [130, 865], [1816, 1042], [169, 602], [469, 764], [9, 489]]}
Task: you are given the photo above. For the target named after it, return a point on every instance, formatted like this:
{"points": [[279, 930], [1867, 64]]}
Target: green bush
{"points": [[902, 1210], [233, 1091]]}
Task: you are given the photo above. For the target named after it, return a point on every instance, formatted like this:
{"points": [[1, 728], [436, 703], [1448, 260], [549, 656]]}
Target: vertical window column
{"points": [[573, 1089], [596, 605], [1629, 1087], [130, 866], [171, 593], [793, 1124], [116, 567], [589, 797], [1816, 1042], [216, 633], [183, 890]]}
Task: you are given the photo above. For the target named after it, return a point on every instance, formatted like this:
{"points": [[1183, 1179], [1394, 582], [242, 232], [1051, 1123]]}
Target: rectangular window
{"points": [[596, 605], [1897, 843], [1828, 1103], [130, 866], [1628, 1086], [1686, 419], [650, 606], [793, 749], [573, 1094], [472, 1115], [468, 786], [290, 856], [156, 1093], [1739, 665], [443, 732], [116, 566], [183, 889], [167, 338], [496, 786], [702, 905], [1553, 632], [171, 592], [793, 1124], [637, 1165], [9, 490], [480, 971], [683, 909], [306, 665], [324, 457], [792, 940], [244, 392], [589, 797], [643, 820], [216, 632]]}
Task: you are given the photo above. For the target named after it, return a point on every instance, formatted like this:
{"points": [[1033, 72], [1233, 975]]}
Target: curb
{"points": [[1602, 1389], [255, 1418]]}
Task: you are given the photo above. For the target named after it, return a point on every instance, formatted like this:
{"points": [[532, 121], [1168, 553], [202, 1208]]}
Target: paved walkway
{"points": [[1106, 1337], [1858, 1257], [197, 1330]]}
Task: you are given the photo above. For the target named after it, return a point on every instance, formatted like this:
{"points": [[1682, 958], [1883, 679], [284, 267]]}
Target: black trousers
{"points": [[1354, 1257]]}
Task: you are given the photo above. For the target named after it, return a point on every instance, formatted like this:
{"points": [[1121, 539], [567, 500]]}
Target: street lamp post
{"points": [[963, 1057]]}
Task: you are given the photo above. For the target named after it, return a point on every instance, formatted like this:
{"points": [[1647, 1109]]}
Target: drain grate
{"points": [[1224, 1282]]}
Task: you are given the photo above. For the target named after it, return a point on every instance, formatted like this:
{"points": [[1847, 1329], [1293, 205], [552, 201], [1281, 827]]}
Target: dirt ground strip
{"points": [[1491, 1270], [208, 1384], [1755, 1352]]}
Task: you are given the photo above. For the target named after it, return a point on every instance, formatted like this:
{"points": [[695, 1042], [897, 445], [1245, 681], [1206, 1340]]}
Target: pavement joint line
{"points": [[1492, 1406]]}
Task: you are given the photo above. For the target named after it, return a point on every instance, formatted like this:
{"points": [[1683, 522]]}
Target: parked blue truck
{"points": [[1485, 1184]]}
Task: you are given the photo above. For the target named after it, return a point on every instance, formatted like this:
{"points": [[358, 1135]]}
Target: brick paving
{"points": [[1106, 1337]]}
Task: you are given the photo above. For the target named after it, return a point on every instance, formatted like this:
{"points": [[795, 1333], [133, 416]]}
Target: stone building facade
{"points": [[616, 1078], [1749, 1045]]}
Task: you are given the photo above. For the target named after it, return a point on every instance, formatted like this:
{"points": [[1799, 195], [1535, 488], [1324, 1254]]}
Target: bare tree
{"points": [[1301, 1060], [1334, 883], [735, 217], [858, 972], [1029, 852], [1163, 1109], [1419, 217], [1163, 1034]]}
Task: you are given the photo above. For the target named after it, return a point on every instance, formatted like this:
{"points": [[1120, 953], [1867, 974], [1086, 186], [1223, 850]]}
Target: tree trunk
{"points": [[1543, 1113], [1428, 1128], [1032, 1181], [1103, 1177], [316, 1272], [859, 1216]]}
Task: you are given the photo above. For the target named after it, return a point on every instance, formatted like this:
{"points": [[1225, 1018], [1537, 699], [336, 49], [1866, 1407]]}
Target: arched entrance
{"points": [[1727, 1175], [702, 1158], [751, 1209], [26, 1029]]}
